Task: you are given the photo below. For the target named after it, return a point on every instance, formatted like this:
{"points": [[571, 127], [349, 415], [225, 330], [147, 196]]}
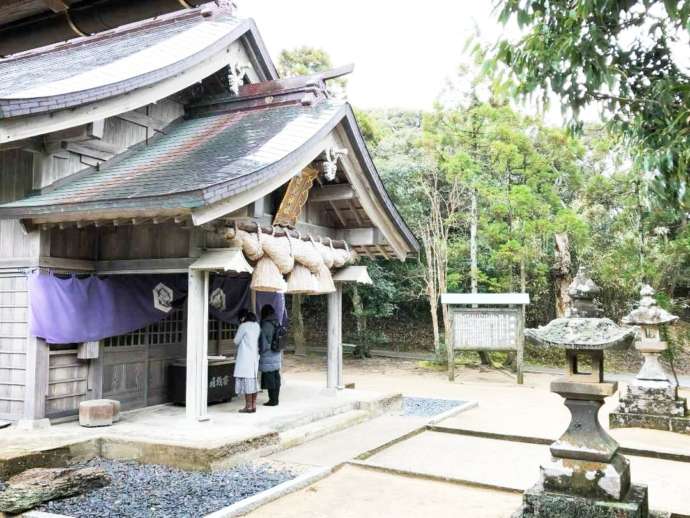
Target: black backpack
{"points": [[278, 341]]}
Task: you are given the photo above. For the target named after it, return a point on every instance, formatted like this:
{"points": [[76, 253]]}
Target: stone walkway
{"points": [[413, 468]]}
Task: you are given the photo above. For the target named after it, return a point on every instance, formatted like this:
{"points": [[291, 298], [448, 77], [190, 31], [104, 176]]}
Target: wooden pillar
{"points": [[36, 387], [334, 378], [520, 353], [297, 325], [197, 346]]}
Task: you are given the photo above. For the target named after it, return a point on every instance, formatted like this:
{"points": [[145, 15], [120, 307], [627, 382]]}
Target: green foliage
{"points": [[619, 55], [304, 61]]}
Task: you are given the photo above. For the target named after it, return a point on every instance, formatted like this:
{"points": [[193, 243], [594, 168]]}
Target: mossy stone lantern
{"points": [[586, 475], [651, 399]]}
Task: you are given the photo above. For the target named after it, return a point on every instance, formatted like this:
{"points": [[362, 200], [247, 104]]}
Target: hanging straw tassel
{"points": [[267, 277], [325, 281], [301, 280], [341, 257], [251, 244], [280, 250], [326, 252], [307, 254]]}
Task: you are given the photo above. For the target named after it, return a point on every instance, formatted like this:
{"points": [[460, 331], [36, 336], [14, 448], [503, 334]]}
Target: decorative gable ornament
{"points": [[235, 75], [329, 167], [162, 298]]}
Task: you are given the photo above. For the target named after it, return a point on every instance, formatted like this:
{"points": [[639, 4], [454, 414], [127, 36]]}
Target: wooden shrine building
{"points": [[137, 149]]}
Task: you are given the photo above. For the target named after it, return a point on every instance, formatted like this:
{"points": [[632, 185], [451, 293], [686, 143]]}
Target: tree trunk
{"points": [[297, 324], [474, 269], [561, 273], [523, 276], [360, 321]]}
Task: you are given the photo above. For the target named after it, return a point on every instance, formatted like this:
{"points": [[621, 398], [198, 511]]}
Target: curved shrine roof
{"points": [[96, 67]]}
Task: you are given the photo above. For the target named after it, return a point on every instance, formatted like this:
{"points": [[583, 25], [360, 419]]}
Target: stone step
{"points": [[314, 430]]}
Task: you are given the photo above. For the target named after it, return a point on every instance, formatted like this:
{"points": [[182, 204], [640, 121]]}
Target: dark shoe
{"points": [[246, 411], [270, 403], [253, 411]]}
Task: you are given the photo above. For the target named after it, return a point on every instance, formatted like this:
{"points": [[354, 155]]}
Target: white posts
{"points": [[197, 345], [334, 378]]}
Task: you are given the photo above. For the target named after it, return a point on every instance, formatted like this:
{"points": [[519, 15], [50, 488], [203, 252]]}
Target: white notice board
{"points": [[487, 329]]}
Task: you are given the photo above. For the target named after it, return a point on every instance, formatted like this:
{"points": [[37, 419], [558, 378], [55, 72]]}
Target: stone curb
{"points": [[41, 514], [253, 502], [679, 457], [420, 429], [429, 476], [468, 405]]}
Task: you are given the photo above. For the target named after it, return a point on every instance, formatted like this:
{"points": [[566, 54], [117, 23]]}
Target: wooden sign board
{"points": [[476, 327], [486, 329]]}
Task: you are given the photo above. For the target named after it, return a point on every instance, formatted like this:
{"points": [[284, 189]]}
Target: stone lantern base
{"points": [[651, 404], [539, 503], [651, 399], [586, 476]]}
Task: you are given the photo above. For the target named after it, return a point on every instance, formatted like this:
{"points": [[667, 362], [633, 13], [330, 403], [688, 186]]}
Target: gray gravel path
{"points": [[153, 491], [427, 407]]}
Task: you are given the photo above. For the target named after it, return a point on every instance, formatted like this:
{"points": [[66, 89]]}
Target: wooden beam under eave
{"points": [[141, 119], [353, 209], [338, 214], [332, 192], [368, 252], [383, 252]]}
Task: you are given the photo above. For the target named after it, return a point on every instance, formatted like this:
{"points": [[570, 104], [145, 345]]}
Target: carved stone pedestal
{"points": [[586, 475], [651, 399], [538, 503]]}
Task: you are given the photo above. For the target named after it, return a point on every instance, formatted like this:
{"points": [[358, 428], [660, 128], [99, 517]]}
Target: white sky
{"points": [[403, 50]]}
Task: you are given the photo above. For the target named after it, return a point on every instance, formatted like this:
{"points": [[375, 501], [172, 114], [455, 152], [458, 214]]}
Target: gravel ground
{"points": [[153, 491], [426, 407]]}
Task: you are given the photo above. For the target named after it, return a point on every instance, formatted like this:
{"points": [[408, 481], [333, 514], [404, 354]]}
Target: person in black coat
{"points": [[270, 361]]}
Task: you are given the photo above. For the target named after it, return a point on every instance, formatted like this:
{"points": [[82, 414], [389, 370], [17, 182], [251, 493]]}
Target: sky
{"points": [[403, 50]]}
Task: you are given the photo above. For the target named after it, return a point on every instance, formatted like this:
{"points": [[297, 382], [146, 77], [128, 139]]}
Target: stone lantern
{"points": [[651, 399], [586, 475]]}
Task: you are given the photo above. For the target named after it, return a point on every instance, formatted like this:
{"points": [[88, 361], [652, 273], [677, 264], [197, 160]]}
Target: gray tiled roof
{"points": [[196, 162], [103, 65]]}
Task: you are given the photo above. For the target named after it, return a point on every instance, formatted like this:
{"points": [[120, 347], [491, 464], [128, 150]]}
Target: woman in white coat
{"points": [[247, 360]]}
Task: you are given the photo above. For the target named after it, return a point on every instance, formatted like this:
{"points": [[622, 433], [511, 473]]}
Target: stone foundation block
{"points": [[116, 409], [97, 412], [662, 390], [539, 503], [600, 480], [680, 425], [627, 420], [655, 406]]}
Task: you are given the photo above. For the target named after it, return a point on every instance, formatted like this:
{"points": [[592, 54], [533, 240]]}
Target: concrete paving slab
{"points": [[358, 492], [347, 444], [516, 465]]}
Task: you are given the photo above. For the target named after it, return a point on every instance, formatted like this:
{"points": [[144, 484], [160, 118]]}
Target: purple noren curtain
{"points": [[83, 309], [72, 309]]}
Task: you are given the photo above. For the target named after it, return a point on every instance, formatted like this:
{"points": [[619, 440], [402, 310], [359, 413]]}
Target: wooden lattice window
{"points": [[219, 330], [134, 339], [167, 331]]}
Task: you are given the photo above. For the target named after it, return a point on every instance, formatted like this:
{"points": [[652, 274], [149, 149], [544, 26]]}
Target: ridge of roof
{"points": [[147, 23], [306, 90], [43, 82]]}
